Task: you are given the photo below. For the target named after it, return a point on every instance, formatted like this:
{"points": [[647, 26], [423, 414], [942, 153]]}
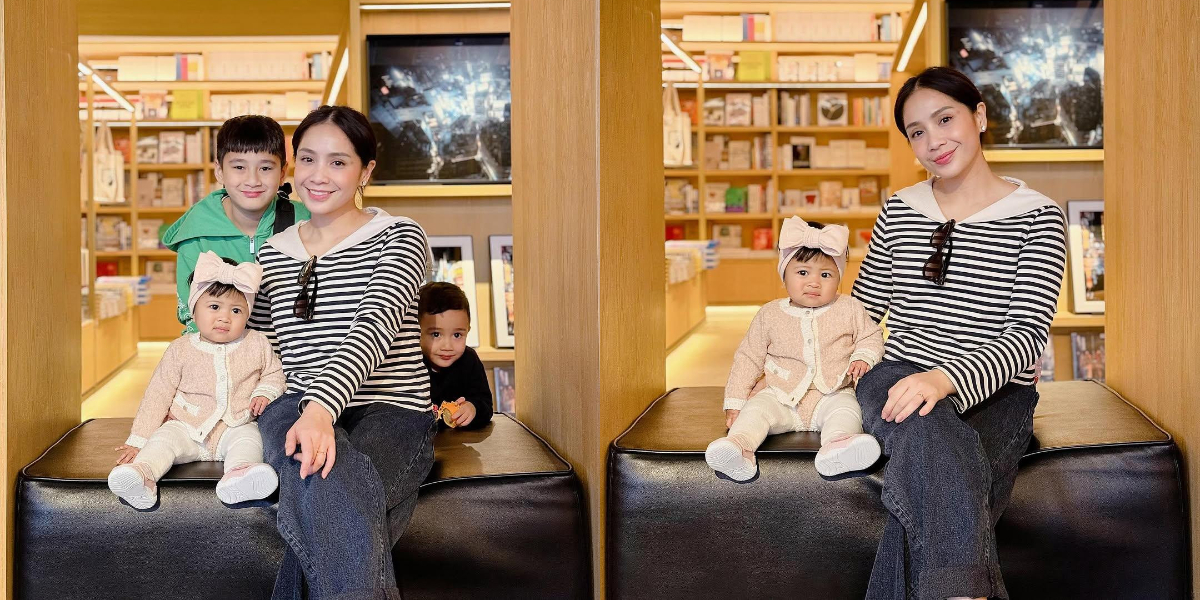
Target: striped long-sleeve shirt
{"points": [[363, 344], [989, 323]]}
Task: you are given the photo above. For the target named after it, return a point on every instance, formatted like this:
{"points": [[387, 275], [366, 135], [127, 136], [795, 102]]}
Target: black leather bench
{"points": [[501, 516], [1098, 510]]}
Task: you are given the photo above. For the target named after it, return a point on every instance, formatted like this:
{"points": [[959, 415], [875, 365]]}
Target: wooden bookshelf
{"points": [[156, 320], [1045, 155], [793, 47], [836, 130], [481, 190]]}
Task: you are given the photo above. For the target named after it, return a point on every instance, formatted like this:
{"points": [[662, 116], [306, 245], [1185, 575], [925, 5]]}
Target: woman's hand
{"points": [[313, 432], [914, 391]]}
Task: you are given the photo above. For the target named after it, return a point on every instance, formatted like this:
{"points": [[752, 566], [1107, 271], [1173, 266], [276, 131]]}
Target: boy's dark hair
{"points": [[439, 297], [217, 290], [807, 254], [352, 123], [251, 133], [946, 80]]}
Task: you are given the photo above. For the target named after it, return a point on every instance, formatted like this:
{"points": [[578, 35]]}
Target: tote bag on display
{"points": [[108, 169], [677, 131]]}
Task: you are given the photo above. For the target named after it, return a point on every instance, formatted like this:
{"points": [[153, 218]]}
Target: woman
{"points": [[353, 438], [967, 267]]}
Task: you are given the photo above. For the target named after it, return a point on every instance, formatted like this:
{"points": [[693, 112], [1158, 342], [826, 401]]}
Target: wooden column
{"points": [[1151, 178], [587, 227], [39, 237]]}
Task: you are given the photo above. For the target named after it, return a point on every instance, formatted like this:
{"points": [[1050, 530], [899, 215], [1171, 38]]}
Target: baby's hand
{"points": [[258, 405], [731, 416], [858, 368], [128, 453]]}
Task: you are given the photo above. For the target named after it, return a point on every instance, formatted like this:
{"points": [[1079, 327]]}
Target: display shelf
{"points": [[1045, 155], [162, 210], [92, 45], [114, 253], [681, 172], [307, 85], [737, 130], [1069, 320], [157, 253], [148, 167], [490, 354], [733, 173], [786, 85], [113, 210], [739, 216], [866, 212], [676, 9], [483, 190], [835, 129], [682, 217], [883, 48], [188, 123], [833, 172]]}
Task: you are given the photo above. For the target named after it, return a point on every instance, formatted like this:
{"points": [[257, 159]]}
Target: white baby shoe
{"points": [[130, 485], [853, 453], [249, 482], [725, 456]]}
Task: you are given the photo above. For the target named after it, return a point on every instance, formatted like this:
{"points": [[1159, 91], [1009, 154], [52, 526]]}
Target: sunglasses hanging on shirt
{"points": [[305, 304], [939, 263]]}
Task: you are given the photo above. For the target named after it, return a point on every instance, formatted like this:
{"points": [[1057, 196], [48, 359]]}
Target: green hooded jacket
{"points": [[205, 227]]}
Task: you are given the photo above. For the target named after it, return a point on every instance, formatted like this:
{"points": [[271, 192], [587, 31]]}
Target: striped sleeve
{"points": [[395, 281], [873, 286], [978, 374], [260, 316]]}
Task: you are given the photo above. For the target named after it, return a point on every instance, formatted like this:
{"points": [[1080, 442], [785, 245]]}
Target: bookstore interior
{"points": [[783, 111]]}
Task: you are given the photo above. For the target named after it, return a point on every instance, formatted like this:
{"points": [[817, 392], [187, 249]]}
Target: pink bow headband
{"points": [[796, 234], [211, 269]]}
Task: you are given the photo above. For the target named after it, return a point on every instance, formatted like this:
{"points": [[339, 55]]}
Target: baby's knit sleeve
{"points": [[748, 363], [868, 337]]}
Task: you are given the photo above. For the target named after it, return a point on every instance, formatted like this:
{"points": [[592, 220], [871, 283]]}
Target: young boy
{"points": [[235, 221], [455, 372]]}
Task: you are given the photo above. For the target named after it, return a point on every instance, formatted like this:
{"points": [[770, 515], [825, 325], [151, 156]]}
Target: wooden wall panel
{"points": [[212, 17], [1151, 178], [587, 222], [39, 237]]}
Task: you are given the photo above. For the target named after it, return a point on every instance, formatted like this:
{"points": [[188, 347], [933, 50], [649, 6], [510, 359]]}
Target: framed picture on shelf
{"points": [[504, 379], [1039, 66], [453, 263], [1085, 225], [502, 289]]}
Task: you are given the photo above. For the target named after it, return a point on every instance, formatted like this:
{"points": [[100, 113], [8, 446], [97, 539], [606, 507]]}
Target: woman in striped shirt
{"points": [[967, 267], [352, 439]]}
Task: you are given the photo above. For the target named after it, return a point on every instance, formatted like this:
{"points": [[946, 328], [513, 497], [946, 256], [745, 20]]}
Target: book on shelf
{"points": [[714, 111], [148, 234], [761, 110], [754, 65], [173, 67], [149, 189], [714, 197], [794, 110], [719, 65], [728, 28], [735, 200], [841, 26], [797, 153], [113, 234], [273, 65], [738, 109], [162, 277], [171, 147], [763, 239], [680, 197], [174, 192], [830, 194], [860, 238], [727, 236], [1088, 359], [756, 199], [714, 153], [152, 105], [192, 153], [147, 149], [832, 109], [851, 199], [868, 190], [763, 157], [740, 155], [187, 104], [674, 231]]}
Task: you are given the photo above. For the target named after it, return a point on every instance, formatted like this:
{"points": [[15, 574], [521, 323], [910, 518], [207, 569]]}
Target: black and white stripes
{"points": [[987, 326], [363, 344]]}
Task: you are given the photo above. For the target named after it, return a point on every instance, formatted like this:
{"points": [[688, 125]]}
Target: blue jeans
{"points": [[340, 531], [947, 481]]}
